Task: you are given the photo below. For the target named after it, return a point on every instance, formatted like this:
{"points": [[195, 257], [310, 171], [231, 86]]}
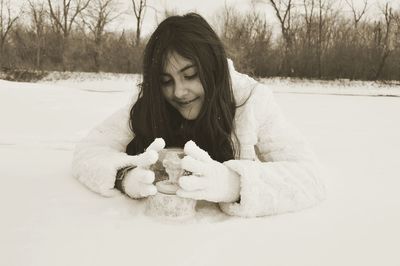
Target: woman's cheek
{"points": [[167, 92]]}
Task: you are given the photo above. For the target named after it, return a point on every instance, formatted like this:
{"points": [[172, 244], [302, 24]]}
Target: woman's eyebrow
{"points": [[186, 67], [181, 70]]}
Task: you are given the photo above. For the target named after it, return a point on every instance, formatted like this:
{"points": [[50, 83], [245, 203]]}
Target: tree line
{"points": [[316, 38]]}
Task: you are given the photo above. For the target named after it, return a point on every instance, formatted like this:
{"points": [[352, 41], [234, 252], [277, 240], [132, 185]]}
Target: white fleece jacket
{"points": [[278, 172]]}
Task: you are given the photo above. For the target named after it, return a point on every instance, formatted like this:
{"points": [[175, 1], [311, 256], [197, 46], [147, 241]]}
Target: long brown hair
{"points": [[152, 116]]}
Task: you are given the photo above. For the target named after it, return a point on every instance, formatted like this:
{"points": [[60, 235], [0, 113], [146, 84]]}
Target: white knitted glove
{"points": [[138, 182], [211, 180]]}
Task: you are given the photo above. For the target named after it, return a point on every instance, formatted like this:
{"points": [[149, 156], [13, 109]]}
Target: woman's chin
{"points": [[189, 115]]}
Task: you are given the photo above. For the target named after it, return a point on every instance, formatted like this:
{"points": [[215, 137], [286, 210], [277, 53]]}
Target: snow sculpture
{"points": [[167, 172]]}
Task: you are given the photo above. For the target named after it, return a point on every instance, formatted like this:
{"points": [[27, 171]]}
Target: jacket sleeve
{"points": [[99, 156], [286, 177]]}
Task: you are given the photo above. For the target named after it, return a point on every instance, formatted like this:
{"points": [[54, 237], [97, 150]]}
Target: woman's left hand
{"points": [[210, 180]]}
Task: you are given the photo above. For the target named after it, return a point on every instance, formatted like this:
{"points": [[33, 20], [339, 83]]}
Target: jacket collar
{"points": [[245, 124]]}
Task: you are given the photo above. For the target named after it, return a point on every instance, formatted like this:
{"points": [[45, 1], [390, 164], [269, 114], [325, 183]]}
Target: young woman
{"points": [[245, 155]]}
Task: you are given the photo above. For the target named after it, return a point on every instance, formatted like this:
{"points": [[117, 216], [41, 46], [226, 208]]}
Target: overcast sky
{"points": [[208, 9]]}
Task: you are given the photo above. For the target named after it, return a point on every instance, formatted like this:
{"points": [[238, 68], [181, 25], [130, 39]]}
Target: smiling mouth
{"points": [[185, 103]]}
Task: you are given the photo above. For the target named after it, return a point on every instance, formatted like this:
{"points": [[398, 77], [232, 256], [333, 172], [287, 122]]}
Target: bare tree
{"points": [[357, 14], [139, 10], [37, 12], [326, 18], [247, 38], [384, 41], [63, 16], [321, 23], [306, 38], [309, 8], [283, 10], [7, 21], [397, 42], [96, 17], [225, 19]]}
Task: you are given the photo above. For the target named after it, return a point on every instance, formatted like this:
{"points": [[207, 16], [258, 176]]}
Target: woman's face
{"points": [[181, 86]]}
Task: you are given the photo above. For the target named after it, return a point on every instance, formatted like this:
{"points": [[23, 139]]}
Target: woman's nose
{"points": [[180, 90]]}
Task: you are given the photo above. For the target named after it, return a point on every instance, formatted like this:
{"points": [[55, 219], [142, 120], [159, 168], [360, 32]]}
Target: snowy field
{"points": [[48, 218]]}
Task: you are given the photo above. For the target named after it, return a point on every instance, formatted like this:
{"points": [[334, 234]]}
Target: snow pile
{"points": [[48, 218], [334, 87], [103, 82]]}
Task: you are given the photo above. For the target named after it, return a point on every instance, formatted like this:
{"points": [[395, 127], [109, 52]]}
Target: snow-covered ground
{"points": [[48, 218]]}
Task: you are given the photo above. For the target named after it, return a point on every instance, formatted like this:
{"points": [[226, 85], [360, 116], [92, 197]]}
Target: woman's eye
{"points": [[166, 82], [191, 76]]}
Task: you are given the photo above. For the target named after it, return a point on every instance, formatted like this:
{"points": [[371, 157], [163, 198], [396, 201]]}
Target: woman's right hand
{"points": [[138, 182]]}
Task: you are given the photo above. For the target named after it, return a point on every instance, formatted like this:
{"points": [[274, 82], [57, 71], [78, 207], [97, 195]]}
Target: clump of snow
{"points": [[334, 87], [87, 76], [102, 82]]}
